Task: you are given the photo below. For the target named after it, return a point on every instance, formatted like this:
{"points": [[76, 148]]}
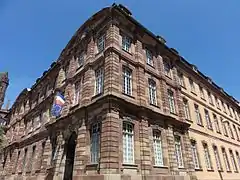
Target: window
{"points": [[201, 92], [217, 102], [207, 157], [178, 151], [235, 130], [24, 160], [192, 85], [152, 92], [95, 141], [230, 111], [128, 143], [238, 158], [33, 156], [101, 43], [224, 127], [216, 154], [149, 57], [81, 59], [157, 146], [186, 109], [126, 43], [181, 79], [235, 114], [167, 68], [208, 120], [216, 123], [195, 155], [198, 115], [223, 105], [99, 78], [76, 93], [233, 161], [127, 81], [171, 101], [225, 158], [210, 98], [230, 130]]}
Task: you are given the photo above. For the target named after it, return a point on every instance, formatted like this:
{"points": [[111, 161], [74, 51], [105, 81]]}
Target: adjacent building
{"points": [[132, 108], [3, 87]]}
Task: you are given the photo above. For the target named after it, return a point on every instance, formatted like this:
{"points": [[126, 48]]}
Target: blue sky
{"points": [[206, 33]]}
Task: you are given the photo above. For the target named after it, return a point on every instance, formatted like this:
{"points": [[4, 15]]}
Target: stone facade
{"points": [[110, 127]]}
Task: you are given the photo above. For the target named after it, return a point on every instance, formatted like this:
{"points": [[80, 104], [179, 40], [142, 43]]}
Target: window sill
{"points": [[181, 168], [97, 95], [160, 167], [229, 171], [183, 86], [236, 171], [198, 169], [128, 95], [92, 165], [203, 98], [200, 125], [219, 132], [210, 170], [127, 51], [130, 166], [189, 120], [193, 93], [80, 67], [155, 105], [211, 104], [169, 77], [150, 65], [74, 106]]}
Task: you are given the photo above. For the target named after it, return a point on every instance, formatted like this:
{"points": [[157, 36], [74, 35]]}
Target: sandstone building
{"points": [[134, 109], [3, 87]]}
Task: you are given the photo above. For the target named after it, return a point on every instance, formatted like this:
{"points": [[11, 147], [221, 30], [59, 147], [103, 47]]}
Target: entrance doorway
{"points": [[70, 153]]}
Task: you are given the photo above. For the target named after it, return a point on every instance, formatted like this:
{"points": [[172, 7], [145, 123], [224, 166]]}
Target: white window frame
{"points": [[215, 119], [152, 92], [195, 155], [101, 43], [191, 82], [208, 120], [198, 115], [210, 97], [178, 151], [202, 95], [95, 143], [99, 80], [126, 43], [157, 146], [217, 158], [235, 169], [238, 158], [127, 81], [149, 56], [207, 157], [128, 143], [186, 109], [225, 158], [171, 101]]}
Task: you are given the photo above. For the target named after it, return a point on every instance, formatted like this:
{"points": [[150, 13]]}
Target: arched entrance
{"points": [[70, 153]]}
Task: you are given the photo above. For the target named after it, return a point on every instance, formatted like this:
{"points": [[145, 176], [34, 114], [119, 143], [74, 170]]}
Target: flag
{"points": [[58, 104]]}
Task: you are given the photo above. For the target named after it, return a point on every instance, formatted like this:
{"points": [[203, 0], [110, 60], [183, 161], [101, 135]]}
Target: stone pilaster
{"points": [[141, 87], [110, 140], [144, 147], [88, 86], [171, 151]]}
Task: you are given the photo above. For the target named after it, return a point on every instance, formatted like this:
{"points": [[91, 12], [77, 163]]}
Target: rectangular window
{"points": [[224, 107], [192, 85], [195, 155], [95, 142], [186, 109], [157, 146], [235, 130], [235, 114], [81, 59], [24, 160], [225, 158], [128, 143], [198, 115], [230, 130], [181, 79], [152, 92], [233, 161], [238, 158], [201, 92], [216, 154], [230, 111], [217, 102], [208, 120], [171, 101], [178, 151], [167, 68], [224, 127], [101, 43], [127, 81], [210, 97], [149, 56], [99, 78], [126, 43], [76, 93], [32, 158], [216, 123], [207, 157]]}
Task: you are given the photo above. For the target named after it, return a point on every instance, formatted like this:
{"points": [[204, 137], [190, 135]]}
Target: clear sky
{"points": [[205, 32]]}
